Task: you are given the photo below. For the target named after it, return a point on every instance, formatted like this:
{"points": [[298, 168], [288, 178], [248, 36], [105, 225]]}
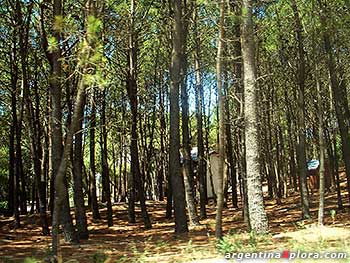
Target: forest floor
{"points": [[126, 242]]}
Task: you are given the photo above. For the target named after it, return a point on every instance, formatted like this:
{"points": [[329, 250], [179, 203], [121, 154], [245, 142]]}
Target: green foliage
{"points": [[58, 24], [94, 26], [333, 213], [3, 206], [53, 44], [253, 241], [30, 260], [99, 257], [230, 243]]}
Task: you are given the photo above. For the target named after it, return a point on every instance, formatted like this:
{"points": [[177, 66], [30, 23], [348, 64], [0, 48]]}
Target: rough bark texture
{"points": [[257, 215], [79, 204], [175, 175]]}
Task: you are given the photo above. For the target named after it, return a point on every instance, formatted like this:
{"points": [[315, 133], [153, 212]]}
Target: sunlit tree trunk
{"points": [[257, 215], [221, 101]]}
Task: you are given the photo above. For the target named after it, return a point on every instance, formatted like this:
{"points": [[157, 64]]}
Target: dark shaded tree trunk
{"points": [[201, 174], [132, 90], [78, 163], [339, 98], [186, 151], [301, 144], [322, 152], [94, 203], [176, 179], [104, 162]]}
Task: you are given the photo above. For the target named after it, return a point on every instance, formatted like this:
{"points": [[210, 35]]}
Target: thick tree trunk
{"points": [[175, 175], [79, 203], [257, 214]]}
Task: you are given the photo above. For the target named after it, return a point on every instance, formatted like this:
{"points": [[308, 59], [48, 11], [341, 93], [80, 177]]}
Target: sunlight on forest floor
{"points": [[125, 242]]}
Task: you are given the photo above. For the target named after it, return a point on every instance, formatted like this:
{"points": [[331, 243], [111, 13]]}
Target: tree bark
{"points": [[340, 105], [94, 203], [301, 144], [221, 119], [177, 183], [321, 151], [186, 144], [78, 163], [132, 91], [104, 162], [201, 174], [257, 215]]}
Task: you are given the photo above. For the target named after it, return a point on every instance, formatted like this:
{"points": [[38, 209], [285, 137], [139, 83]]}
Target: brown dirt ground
{"points": [[132, 243]]}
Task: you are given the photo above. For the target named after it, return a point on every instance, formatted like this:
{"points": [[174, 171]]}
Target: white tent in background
{"points": [[213, 173], [212, 170]]}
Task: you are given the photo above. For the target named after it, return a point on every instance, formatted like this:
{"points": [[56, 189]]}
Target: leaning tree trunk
{"points": [[78, 163], [257, 215], [61, 194]]}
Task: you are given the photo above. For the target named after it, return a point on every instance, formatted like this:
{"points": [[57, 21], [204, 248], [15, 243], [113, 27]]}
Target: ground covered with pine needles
{"points": [[126, 242]]}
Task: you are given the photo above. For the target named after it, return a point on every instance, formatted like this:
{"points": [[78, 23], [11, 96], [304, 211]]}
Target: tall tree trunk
{"points": [[78, 163], [94, 203], [161, 174], [104, 162], [221, 119], [257, 214], [132, 91], [322, 151], [230, 155], [301, 144], [12, 195], [201, 174], [340, 105], [186, 152], [176, 179]]}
